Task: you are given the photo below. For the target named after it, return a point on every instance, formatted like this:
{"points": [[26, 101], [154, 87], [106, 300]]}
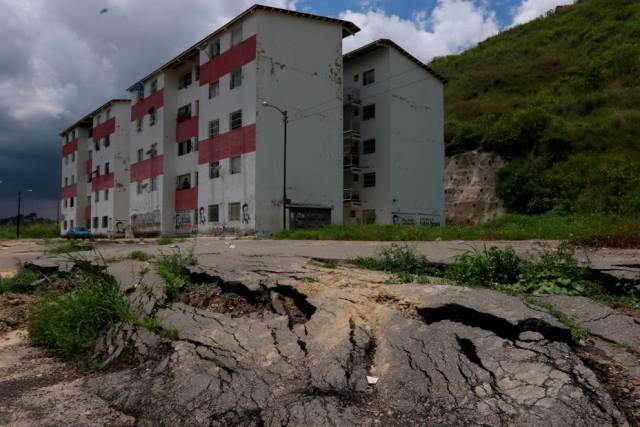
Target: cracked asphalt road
{"points": [[442, 355]]}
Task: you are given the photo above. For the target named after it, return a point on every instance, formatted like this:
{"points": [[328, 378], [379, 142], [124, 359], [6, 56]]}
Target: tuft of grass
{"points": [[152, 324], [165, 240], [22, 282], [173, 269], [140, 256], [72, 246], [577, 332], [579, 229], [71, 323]]}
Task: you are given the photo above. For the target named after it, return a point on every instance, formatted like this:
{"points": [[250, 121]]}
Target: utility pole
{"points": [[285, 119], [18, 222]]}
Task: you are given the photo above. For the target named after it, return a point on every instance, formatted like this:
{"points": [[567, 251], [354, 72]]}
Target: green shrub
{"points": [[173, 269], [491, 267], [71, 323], [140, 256], [72, 246], [22, 282], [397, 259]]}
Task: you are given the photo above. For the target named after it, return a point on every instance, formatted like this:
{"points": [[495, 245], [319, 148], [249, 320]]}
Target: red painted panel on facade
{"points": [[69, 191], [229, 144], [225, 63], [87, 212], [69, 147], [102, 182], [187, 200], [104, 129], [187, 129], [89, 166], [146, 169], [140, 108]]}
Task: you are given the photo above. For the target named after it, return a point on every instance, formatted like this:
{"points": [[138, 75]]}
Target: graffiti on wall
{"points": [[246, 217], [203, 218], [424, 220], [185, 223], [146, 223]]}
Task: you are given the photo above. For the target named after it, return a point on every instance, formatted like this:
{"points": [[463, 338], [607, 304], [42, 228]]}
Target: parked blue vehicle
{"points": [[79, 233]]}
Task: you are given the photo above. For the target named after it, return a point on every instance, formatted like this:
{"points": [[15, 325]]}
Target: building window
{"points": [[64, 224], [73, 156], [72, 202], [98, 170], [214, 49], [236, 79], [154, 150], [236, 35], [106, 168], [139, 125], [235, 119], [66, 181], [369, 112], [235, 165], [184, 113], [183, 182], [234, 211], [197, 73], [140, 154], [139, 187], [153, 86], [64, 203], [106, 194], [89, 200], [107, 141], [66, 160], [214, 89], [154, 183], [214, 128], [368, 77], [214, 213], [95, 222], [73, 179], [214, 170], [97, 197], [152, 116], [369, 146], [108, 114], [105, 221], [96, 145], [369, 179], [185, 80], [70, 223], [98, 119], [356, 77], [369, 216], [184, 147]]}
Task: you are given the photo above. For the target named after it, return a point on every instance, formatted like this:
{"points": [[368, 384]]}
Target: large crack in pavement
{"points": [[344, 349]]}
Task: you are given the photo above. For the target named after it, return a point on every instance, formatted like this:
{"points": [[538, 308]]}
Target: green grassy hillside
{"points": [[560, 98]]}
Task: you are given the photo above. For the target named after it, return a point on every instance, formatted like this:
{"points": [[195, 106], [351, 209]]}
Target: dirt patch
{"points": [[211, 297], [14, 309]]}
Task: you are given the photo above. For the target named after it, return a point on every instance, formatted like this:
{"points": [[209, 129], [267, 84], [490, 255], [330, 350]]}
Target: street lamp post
{"points": [[285, 119], [18, 222]]}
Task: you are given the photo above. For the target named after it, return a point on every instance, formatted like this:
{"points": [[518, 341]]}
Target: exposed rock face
{"points": [[470, 187], [443, 355]]}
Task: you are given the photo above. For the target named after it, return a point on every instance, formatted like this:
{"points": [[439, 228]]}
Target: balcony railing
{"points": [[351, 195], [351, 161], [352, 96]]}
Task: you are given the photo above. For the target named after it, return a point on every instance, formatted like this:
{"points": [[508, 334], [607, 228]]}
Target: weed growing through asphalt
{"points": [[71, 323], [154, 325], [173, 269], [22, 282], [165, 240], [577, 333], [139, 256], [72, 246], [400, 259]]}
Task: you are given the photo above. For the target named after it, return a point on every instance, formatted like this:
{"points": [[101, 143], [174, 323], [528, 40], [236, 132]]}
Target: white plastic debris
{"points": [[372, 380], [232, 246]]}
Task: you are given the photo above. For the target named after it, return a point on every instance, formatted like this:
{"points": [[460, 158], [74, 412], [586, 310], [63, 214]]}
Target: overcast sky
{"points": [[60, 59]]}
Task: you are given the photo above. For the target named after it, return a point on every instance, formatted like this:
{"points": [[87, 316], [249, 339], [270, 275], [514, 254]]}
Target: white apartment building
{"points": [[207, 154], [95, 184], [364, 135], [393, 139]]}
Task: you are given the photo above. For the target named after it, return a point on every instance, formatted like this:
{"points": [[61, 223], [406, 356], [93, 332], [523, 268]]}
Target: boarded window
{"points": [[369, 179], [214, 213], [369, 146], [214, 128], [235, 165], [369, 112], [234, 211], [368, 77], [214, 170], [235, 119]]}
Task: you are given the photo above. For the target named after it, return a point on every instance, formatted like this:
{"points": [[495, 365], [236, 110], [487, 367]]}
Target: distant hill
{"points": [[560, 98]]}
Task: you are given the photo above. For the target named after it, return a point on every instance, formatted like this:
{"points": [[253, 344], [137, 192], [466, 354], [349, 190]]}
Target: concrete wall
{"points": [[74, 167], [299, 69], [417, 143]]}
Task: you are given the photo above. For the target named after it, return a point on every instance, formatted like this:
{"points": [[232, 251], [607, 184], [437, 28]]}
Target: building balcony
{"points": [[352, 130], [351, 196], [352, 162], [352, 97]]}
